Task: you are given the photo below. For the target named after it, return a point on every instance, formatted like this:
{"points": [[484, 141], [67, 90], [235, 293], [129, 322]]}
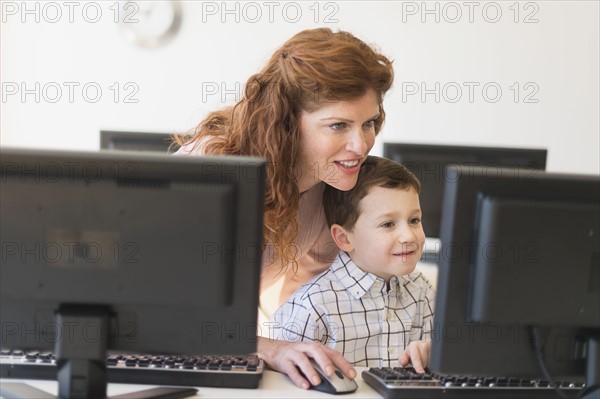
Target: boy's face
{"points": [[388, 237]]}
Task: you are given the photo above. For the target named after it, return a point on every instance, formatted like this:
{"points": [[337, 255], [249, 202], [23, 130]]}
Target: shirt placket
{"points": [[393, 324]]}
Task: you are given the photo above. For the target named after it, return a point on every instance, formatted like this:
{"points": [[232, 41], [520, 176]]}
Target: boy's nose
{"points": [[405, 234]]}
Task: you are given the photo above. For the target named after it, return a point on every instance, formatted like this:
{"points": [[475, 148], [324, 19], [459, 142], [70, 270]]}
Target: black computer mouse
{"points": [[337, 383]]}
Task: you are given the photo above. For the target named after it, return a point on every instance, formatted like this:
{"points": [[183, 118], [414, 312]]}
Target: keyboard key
{"points": [[188, 363], [131, 361], [112, 361]]}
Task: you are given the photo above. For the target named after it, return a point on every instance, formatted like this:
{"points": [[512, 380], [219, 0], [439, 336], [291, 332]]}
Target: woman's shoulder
{"points": [[189, 149], [196, 147]]}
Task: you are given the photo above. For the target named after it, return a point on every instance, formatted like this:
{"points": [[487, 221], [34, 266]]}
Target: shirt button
{"points": [[390, 349]]}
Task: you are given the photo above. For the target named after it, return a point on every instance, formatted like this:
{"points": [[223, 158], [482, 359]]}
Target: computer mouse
{"points": [[337, 383]]}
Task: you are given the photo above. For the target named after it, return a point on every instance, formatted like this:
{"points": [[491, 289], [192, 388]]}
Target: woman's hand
{"points": [[417, 354], [293, 359]]}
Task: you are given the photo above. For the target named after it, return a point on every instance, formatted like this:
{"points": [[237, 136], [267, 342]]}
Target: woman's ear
{"points": [[340, 236]]}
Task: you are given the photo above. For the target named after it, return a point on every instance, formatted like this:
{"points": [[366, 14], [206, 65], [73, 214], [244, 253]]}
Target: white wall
{"points": [[554, 58]]}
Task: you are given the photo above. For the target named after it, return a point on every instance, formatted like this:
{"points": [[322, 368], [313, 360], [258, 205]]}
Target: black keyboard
{"points": [[406, 383], [198, 371]]}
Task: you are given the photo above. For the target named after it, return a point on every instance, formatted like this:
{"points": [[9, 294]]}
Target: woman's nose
{"points": [[357, 143]]}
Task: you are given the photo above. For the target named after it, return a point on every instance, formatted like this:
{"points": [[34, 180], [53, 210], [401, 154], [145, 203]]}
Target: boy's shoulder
{"points": [[417, 278], [319, 284], [326, 284]]}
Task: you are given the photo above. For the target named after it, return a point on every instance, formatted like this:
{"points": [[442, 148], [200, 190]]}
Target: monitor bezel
{"points": [[411, 155], [463, 346], [224, 330]]}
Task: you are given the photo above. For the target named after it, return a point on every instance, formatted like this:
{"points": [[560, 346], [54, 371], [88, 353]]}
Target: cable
{"points": [[539, 355]]}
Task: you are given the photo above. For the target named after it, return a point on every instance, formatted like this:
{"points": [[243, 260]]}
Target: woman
{"points": [[313, 113]]}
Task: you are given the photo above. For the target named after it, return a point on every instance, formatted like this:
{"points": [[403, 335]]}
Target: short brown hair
{"points": [[342, 207]]}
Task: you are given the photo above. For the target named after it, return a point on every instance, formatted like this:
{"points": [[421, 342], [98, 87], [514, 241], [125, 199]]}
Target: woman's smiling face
{"points": [[334, 141]]}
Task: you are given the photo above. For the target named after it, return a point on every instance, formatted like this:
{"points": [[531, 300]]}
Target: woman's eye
{"points": [[338, 126], [415, 221], [369, 124]]}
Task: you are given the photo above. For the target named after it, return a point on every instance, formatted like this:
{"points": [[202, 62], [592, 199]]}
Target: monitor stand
{"points": [[81, 344]]}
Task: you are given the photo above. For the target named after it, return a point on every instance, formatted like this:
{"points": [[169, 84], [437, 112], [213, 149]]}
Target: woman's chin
{"points": [[342, 184]]}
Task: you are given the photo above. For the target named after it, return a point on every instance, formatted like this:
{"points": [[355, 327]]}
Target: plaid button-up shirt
{"points": [[356, 313]]}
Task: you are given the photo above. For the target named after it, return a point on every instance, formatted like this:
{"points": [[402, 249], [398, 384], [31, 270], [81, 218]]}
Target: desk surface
{"points": [[272, 385]]}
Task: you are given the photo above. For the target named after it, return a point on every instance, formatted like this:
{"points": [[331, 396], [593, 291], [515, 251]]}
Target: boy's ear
{"points": [[340, 236]]}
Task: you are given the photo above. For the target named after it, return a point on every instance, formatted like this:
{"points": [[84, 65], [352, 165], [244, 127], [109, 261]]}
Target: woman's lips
{"points": [[349, 167]]}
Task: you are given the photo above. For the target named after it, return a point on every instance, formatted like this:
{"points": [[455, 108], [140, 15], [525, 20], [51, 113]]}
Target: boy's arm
{"points": [[296, 321], [428, 312], [417, 352]]}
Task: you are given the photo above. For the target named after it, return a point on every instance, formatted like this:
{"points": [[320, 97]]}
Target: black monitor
{"points": [[519, 275], [137, 141], [428, 163], [138, 253]]}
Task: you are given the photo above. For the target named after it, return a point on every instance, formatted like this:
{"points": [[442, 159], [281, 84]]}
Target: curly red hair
{"points": [[313, 66]]}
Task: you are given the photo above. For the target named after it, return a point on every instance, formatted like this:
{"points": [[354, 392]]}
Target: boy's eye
{"points": [[387, 225], [415, 221]]}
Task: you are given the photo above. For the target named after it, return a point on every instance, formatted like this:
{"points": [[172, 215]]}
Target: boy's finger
{"points": [[404, 358], [424, 355], [415, 359]]}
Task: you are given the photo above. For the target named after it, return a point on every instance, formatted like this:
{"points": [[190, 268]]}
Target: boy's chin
{"points": [[405, 269], [412, 269]]}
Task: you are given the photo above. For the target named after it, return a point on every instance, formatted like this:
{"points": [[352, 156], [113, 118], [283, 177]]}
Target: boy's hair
{"points": [[343, 207]]}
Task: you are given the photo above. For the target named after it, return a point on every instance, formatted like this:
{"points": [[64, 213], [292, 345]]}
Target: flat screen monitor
{"points": [[136, 141], [519, 275], [138, 253], [428, 163]]}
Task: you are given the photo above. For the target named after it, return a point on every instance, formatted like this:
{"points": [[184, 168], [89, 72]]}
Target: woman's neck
{"points": [[305, 180]]}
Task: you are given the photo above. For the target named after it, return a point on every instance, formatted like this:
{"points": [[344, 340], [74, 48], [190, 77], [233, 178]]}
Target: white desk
{"points": [[272, 385]]}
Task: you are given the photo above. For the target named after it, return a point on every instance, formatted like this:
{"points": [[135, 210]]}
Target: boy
{"points": [[369, 305]]}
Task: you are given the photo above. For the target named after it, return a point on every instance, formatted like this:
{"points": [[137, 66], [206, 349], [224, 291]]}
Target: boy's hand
{"points": [[417, 354]]}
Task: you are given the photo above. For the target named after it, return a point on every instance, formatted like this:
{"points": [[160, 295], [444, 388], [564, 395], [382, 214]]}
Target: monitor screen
{"points": [[428, 163], [147, 253], [137, 141], [519, 269]]}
